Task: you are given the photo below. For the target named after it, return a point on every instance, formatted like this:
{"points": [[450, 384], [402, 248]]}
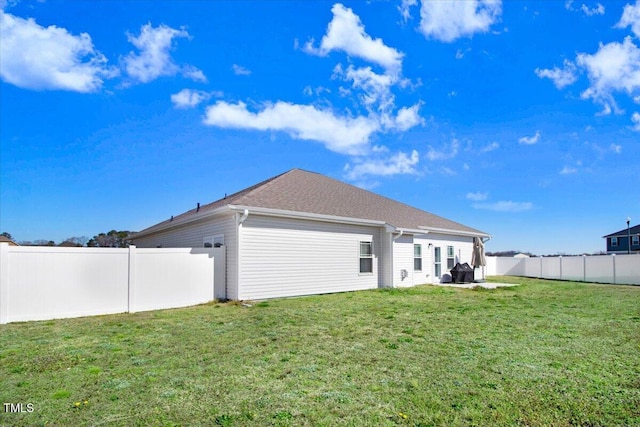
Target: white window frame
{"points": [[417, 257], [451, 257], [437, 261], [213, 241], [635, 240], [362, 257], [614, 241]]}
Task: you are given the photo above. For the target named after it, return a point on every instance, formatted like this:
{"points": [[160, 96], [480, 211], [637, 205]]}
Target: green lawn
{"points": [[542, 354]]}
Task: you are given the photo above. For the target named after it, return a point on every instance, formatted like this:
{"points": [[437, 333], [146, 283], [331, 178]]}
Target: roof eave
{"points": [[454, 232], [306, 215], [179, 222]]}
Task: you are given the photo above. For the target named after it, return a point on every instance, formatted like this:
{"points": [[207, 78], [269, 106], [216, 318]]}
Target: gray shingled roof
{"points": [[309, 192]]}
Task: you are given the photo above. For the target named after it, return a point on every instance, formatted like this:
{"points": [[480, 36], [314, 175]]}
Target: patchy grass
{"points": [[541, 354]]}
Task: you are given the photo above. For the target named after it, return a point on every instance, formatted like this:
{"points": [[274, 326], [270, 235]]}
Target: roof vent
{"points": [[171, 218], [198, 207]]}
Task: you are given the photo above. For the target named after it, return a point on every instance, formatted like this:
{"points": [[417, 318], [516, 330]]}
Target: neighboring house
{"points": [[303, 233], [5, 239], [618, 242]]}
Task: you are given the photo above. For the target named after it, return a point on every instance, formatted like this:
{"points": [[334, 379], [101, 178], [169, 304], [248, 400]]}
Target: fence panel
{"points": [[551, 268], [502, 266], [599, 269], [40, 283], [531, 267], [573, 268], [168, 278], [628, 269], [618, 269], [46, 283]]}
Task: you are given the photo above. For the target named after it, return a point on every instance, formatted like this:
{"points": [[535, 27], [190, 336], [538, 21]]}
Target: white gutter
{"points": [[455, 232], [306, 215]]}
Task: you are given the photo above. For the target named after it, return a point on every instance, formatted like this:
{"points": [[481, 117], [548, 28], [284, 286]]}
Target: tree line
{"points": [[112, 239]]}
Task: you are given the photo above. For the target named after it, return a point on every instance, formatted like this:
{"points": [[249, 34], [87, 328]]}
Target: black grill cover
{"points": [[462, 273]]}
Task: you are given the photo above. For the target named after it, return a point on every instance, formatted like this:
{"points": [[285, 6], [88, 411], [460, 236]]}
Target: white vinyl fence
{"points": [[616, 269], [40, 283]]}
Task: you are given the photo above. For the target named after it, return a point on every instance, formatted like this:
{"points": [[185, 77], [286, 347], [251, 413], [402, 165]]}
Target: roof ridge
{"points": [[245, 191], [389, 199]]}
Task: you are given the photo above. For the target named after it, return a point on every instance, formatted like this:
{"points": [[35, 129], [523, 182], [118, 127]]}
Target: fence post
{"points": [[584, 268], [4, 283], [132, 278], [560, 266], [613, 256], [540, 276]]}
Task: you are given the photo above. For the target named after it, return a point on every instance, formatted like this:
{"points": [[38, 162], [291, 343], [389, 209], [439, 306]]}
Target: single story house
{"points": [[5, 239], [302, 233], [621, 243]]}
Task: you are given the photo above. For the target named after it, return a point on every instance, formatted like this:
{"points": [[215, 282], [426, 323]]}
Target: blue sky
{"points": [[518, 118]]}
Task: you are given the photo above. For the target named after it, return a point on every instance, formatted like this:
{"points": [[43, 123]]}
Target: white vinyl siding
{"points": [[288, 257], [462, 251], [403, 261], [426, 274], [385, 262], [192, 236]]}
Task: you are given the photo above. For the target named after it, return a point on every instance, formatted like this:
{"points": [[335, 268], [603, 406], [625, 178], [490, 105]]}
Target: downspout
{"points": [[243, 217], [393, 239], [240, 220], [483, 267]]}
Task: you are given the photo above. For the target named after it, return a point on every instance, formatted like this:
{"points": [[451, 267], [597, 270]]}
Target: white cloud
{"points": [[597, 10], [376, 88], [567, 170], [188, 98], [346, 135], [193, 73], [308, 90], [239, 70], [407, 118], [400, 163], [491, 147], [51, 58], [154, 59], [617, 148], [346, 33], [561, 77], [447, 171], [530, 140], [477, 196], [405, 7], [635, 118], [449, 20], [615, 67], [448, 152], [504, 206], [631, 17]]}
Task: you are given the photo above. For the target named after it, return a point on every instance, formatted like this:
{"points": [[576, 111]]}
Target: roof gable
{"points": [[309, 192], [623, 233]]}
